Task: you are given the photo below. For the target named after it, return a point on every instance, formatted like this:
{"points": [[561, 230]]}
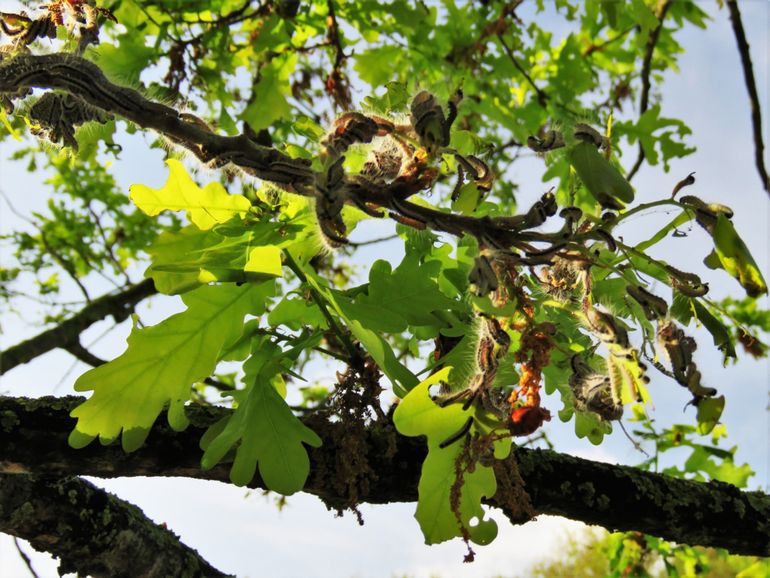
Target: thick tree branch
{"points": [[86, 81], [644, 102], [66, 334], [91, 531], [34, 437], [751, 86]]}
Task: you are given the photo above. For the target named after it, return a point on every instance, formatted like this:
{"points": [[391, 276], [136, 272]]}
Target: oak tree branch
{"points": [[91, 531], [65, 335], [34, 438]]}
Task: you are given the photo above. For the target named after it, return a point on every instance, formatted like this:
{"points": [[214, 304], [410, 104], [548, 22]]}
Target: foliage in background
{"points": [[595, 553]]}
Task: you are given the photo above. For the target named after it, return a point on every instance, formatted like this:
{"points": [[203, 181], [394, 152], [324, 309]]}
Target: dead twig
{"points": [[751, 86]]}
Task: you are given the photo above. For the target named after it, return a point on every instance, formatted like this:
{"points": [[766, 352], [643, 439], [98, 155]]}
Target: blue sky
{"points": [[246, 534]]}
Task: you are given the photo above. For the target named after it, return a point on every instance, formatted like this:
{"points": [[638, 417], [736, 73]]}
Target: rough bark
{"points": [[91, 531], [34, 434]]}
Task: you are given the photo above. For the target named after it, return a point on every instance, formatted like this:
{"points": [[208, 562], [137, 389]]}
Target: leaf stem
{"points": [[355, 356], [645, 206]]}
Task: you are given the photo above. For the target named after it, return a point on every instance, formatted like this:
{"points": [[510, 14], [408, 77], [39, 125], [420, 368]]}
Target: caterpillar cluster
{"points": [[80, 15], [57, 115], [594, 392], [624, 368], [393, 161], [675, 344], [492, 346]]}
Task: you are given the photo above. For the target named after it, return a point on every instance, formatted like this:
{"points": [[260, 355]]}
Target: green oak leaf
{"points": [[394, 99], [263, 427], [232, 259], [724, 469], [168, 248], [296, 313], [236, 251], [124, 63], [419, 415], [269, 102], [160, 365], [468, 199], [376, 66], [380, 350], [205, 206], [407, 296], [590, 425], [610, 11], [758, 569], [709, 412], [656, 132], [603, 181], [643, 15], [735, 258], [719, 331]]}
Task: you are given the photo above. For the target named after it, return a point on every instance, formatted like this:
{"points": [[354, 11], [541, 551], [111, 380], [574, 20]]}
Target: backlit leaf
{"points": [[408, 295], [206, 206], [709, 412], [160, 365], [736, 259], [269, 103], [418, 415], [263, 427], [380, 350], [602, 180]]}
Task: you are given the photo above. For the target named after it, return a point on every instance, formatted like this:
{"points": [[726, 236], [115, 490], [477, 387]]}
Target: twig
{"points": [[107, 245], [331, 353], [602, 45], [355, 356], [81, 353], [542, 97], [218, 385], [64, 264], [24, 557], [65, 376], [80, 77], [334, 36], [751, 86], [337, 85], [645, 206], [372, 241], [84, 79], [646, 83]]}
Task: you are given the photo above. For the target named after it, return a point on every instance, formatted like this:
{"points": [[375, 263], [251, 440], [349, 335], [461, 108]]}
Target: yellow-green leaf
{"points": [[160, 365], [736, 259], [206, 206], [709, 412], [418, 415]]}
